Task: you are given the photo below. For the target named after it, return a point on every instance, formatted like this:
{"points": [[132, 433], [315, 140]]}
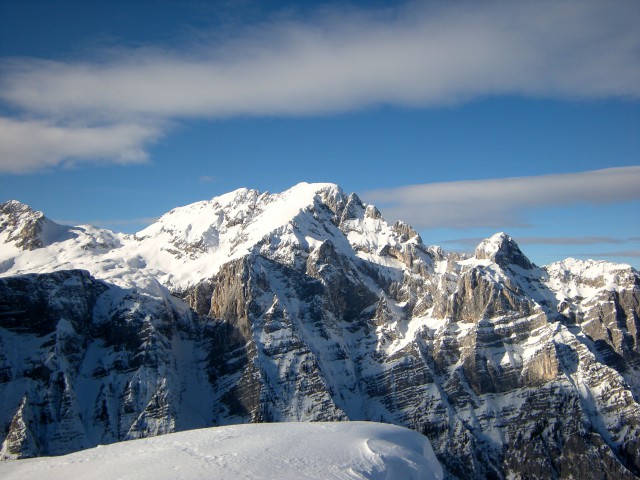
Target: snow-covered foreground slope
{"points": [[323, 451]]}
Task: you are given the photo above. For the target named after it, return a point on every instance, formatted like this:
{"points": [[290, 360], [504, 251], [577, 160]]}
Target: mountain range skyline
{"points": [[307, 305]]}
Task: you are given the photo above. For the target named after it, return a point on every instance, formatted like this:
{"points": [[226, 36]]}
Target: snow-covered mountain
{"points": [[307, 306]]}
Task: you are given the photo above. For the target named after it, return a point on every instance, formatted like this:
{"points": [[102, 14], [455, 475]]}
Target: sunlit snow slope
{"points": [[182, 247], [345, 450]]}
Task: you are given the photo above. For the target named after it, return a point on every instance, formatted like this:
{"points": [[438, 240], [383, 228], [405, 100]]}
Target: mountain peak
{"points": [[503, 250], [193, 241], [14, 206], [18, 211], [21, 225]]}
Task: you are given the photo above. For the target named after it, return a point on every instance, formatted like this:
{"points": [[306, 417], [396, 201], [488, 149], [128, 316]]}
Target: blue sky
{"points": [[463, 118]]}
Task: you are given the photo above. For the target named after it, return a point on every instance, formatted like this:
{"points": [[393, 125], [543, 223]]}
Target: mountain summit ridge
{"points": [[306, 306], [193, 230]]}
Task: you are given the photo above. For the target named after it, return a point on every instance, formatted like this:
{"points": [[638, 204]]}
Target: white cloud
{"points": [[110, 223], [584, 240], [503, 202], [26, 146], [615, 253], [416, 55]]}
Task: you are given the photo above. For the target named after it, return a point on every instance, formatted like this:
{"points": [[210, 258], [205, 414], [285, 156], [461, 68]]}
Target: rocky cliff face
{"points": [[308, 306], [85, 363]]}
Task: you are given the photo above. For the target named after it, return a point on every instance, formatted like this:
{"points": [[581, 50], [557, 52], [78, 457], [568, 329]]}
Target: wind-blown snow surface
{"points": [[344, 450]]}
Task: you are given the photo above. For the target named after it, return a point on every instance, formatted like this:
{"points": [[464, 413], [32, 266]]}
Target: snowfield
{"points": [[340, 450]]}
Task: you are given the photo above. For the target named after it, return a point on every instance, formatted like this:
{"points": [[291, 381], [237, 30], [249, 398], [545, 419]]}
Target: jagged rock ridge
{"points": [[307, 305]]}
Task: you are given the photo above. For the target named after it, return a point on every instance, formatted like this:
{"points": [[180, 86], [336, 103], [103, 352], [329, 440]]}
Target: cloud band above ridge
{"points": [[415, 55], [502, 202]]}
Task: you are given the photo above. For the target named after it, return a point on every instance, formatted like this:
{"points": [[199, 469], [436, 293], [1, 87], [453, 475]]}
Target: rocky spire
{"points": [[20, 224], [503, 250]]}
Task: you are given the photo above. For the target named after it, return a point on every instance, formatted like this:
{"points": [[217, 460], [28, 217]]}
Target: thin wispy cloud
{"points": [[503, 202], [415, 55], [111, 223], [586, 240], [470, 243], [615, 253]]}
